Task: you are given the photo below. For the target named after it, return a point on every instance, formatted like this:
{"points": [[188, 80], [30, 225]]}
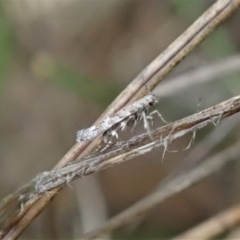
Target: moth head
{"points": [[154, 100]]}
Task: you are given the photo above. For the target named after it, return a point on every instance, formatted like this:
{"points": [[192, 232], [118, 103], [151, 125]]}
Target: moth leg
{"points": [[151, 119], [159, 114], [188, 146], [114, 133], [108, 138], [191, 141], [123, 125], [134, 126], [98, 148], [108, 145], [132, 121], [146, 124]]}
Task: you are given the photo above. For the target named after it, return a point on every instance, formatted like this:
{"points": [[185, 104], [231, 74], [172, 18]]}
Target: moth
{"points": [[127, 116]]}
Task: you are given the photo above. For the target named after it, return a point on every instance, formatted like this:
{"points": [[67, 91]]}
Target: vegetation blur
{"points": [[62, 62]]}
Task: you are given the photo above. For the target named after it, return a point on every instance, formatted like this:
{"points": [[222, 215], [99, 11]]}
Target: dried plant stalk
{"points": [[45, 182], [136, 146], [16, 222], [215, 226], [169, 189]]}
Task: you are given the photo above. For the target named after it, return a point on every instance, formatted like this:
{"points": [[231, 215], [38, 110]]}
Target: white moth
{"points": [[127, 116]]}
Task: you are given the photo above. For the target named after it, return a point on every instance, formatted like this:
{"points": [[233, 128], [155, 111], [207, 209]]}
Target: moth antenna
{"points": [[147, 89], [199, 104], [145, 85]]}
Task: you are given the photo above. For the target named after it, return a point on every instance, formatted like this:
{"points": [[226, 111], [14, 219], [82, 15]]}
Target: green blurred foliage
{"points": [[6, 47], [219, 44], [189, 8], [95, 90]]}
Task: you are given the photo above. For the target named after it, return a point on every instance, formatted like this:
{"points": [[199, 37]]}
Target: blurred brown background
{"points": [[61, 63]]}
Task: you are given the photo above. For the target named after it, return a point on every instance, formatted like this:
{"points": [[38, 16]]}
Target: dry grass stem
{"points": [[167, 190], [17, 221], [47, 182], [198, 153], [215, 226], [204, 147], [136, 146], [199, 76]]}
